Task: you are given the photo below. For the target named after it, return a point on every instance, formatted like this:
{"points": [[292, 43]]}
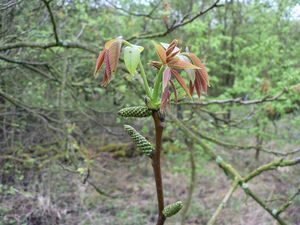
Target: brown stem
{"points": [[158, 120]]}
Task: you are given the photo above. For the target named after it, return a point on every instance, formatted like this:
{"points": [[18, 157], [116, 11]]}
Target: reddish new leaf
{"points": [[107, 74], [172, 55], [114, 52], [165, 98], [161, 53], [99, 61], [201, 66], [197, 83], [174, 90], [171, 47], [181, 81], [166, 77], [191, 88]]}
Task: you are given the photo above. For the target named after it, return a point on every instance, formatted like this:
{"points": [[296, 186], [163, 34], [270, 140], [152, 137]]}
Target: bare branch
{"points": [[52, 20], [62, 44], [271, 166], [147, 15], [241, 147], [224, 202], [264, 205], [288, 202], [22, 62], [239, 101], [9, 5], [175, 25], [233, 174]]}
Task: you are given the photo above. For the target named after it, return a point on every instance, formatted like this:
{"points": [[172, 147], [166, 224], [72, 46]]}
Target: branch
{"points": [[43, 117], [264, 205], [224, 202], [243, 147], [63, 44], [271, 166], [288, 202], [228, 169], [86, 180], [174, 26], [8, 5], [239, 101], [52, 20], [22, 62], [147, 15]]}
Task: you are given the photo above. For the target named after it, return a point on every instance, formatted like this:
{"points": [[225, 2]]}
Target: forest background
{"points": [[64, 156]]}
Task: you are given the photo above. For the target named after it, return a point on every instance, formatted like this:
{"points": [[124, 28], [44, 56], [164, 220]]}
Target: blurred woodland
{"points": [[232, 157]]}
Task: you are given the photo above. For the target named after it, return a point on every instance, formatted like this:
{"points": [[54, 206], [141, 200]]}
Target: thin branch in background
{"points": [[233, 174], [240, 101], [175, 25], [9, 4], [192, 181], [264, 205], [62, 44], [288, 202], [47, 4], [271, 166], [128, 12], [243, 147], [22, 62], [224, 202]]}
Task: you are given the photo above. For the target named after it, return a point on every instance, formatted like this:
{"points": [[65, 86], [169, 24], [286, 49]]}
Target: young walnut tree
{"points": [[169, 67]]}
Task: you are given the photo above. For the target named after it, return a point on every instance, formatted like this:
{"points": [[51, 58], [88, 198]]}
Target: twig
{"points": [[224, 202], [192, 181], [230, 171], [271, 166], [244, 147], [264, 205], [147, 15], [22, 62], [52, 20], [175, 25], [239, 101], [63, 44], [288, 202]]}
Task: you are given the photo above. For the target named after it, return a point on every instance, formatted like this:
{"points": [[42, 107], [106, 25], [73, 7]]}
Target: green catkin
{"points": [[140, 141], [172, 209], [135, 111]]}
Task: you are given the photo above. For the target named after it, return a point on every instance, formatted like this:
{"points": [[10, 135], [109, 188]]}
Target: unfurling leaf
{"points": [[135, 111], [181, 82], [172, 209], [177, 63], [140, 141], [132, 57], [99, 62], [161, 53], [114, 52]]}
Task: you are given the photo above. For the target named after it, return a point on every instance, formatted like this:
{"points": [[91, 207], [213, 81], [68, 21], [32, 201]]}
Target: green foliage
{"points": [[132, 57]]}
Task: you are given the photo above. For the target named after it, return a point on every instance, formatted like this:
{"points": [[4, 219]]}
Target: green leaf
{"points": [[132, 57]]}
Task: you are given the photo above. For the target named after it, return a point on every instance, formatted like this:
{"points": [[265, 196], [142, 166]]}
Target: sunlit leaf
{"points": [[161, 53], [132, 58]]}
